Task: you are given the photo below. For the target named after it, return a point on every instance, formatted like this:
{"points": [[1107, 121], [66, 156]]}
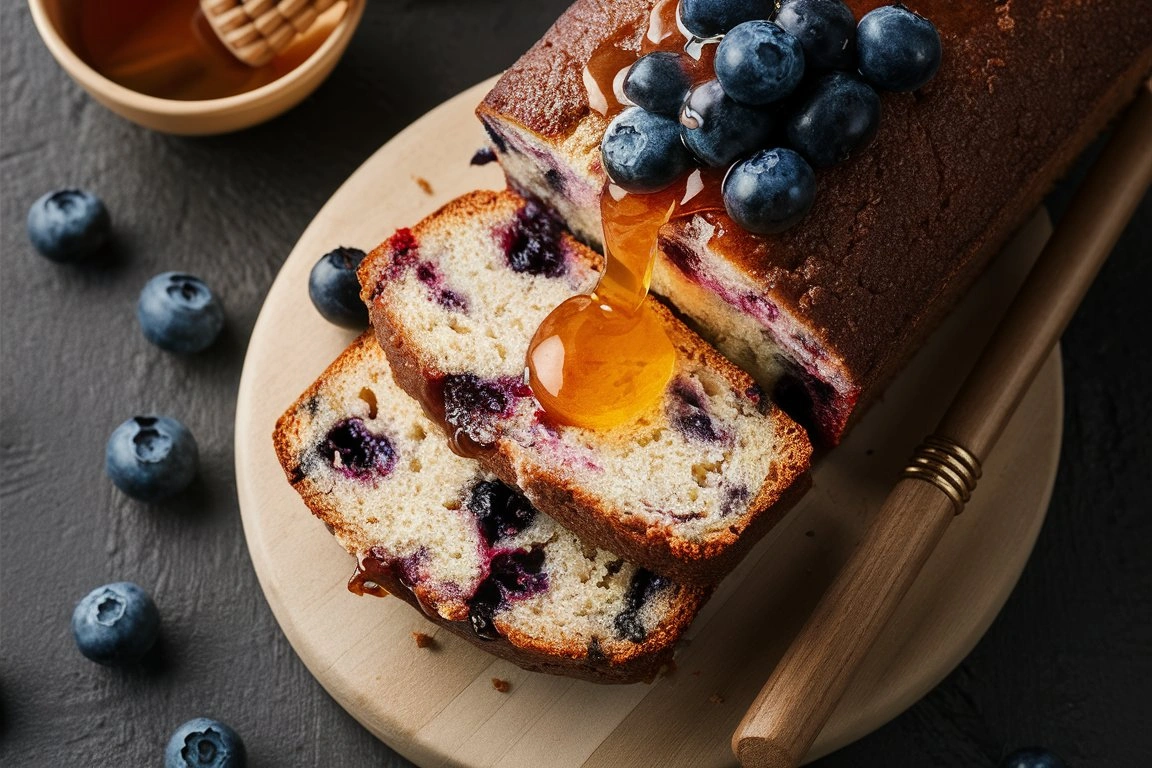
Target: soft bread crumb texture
{"points": [[417, 513], [693, 473]]}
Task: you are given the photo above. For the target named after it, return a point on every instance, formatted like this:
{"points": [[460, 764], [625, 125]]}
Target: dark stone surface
{"points": [[1067, 664]]}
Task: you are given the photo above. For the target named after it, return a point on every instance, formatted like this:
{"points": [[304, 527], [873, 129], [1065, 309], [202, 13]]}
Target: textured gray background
{"points": [[1068, 663]]}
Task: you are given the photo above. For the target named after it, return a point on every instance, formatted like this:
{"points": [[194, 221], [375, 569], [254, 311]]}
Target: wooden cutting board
{"points": [[438, 706]]}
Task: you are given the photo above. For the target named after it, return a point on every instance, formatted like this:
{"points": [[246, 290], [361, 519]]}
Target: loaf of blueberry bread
{"points": [[684, 490], [446, 536], [824, 314]]}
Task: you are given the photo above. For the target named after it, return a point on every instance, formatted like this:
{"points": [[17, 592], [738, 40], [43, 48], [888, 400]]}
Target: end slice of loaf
{"points": [[825, 314], [448, 537], [684, 490]]}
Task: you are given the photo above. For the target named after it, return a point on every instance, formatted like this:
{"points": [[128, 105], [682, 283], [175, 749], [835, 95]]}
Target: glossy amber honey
{"points": [[165, 48], [603, 359]]}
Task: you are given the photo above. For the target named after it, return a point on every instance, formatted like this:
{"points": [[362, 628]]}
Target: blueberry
{"points": [[839, 117], [644, 586], [356, 451], [825, 28], [533, 244], [179, 313], [709, 18], [898, 50], [770, 191], [334, 289], [658, 82], [718, 129], [68, 225], [501, 511], [204, 743], [1032, 757], [759, 63], [511, 576], [151, 457], [115, 624], [642, 151]]}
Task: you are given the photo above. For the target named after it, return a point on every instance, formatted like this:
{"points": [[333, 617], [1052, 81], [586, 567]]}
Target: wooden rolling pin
{"points": [[796, 702], [256, 30]]}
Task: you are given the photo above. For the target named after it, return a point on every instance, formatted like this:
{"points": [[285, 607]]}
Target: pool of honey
{"points": [[166, 48]]}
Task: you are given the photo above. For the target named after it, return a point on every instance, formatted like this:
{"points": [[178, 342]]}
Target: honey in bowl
{"points": [[167, 49]]}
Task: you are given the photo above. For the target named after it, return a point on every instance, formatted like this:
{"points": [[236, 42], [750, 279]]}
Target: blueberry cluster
{"points": [[792, 91]]}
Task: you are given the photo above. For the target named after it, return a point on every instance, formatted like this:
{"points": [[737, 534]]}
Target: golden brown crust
{"points": [[565, 499], [636, 662], [900, 232], [544, 90]]}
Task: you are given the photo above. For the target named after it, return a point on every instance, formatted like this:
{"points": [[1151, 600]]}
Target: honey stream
{"points": [[602, 359]]}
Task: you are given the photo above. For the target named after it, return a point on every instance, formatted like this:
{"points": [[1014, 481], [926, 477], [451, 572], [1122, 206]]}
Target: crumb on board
{"points": [[715, 699], [423, 640], [424, 184], [810, 534], [501, 685], [696, 673], [669, 669]]}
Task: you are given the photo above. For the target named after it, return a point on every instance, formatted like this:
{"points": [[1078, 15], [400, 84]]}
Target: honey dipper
{"points": [[256, 30]]}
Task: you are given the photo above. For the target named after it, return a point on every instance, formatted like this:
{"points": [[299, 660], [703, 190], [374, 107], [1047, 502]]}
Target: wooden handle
{"points": [[796, 702]]}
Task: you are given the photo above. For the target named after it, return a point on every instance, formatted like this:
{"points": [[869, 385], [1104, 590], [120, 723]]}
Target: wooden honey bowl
{"points": [[57, 23]]}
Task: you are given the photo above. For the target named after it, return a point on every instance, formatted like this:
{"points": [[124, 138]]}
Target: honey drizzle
{"points": [[602, 359]]}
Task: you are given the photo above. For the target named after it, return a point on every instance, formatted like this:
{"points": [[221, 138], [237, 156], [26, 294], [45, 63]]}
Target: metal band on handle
{"points": [[947, 465]]}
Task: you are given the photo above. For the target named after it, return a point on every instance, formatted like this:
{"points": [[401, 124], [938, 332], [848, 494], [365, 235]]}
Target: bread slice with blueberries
{"points": [[683, 490], [449, 538]]}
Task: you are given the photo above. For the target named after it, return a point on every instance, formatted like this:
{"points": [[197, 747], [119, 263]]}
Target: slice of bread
{"points": [[825, 314], [684, 490], [444, 535]]}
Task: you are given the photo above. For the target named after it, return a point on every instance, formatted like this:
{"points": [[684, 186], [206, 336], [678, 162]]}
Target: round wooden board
{"points": [[438, 707]]}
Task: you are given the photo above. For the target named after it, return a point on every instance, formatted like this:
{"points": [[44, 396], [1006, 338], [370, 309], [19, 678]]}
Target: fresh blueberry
{"points": [[658, 82], [1032, 757], [759, 63], [718, 129], [770, 191], [898, 50], [151, 457], [709, 18], [839, 117], [179, 313], [204, 743], [825, 28], [68, 225], [642, 151], [115, 624], [334, 289]]}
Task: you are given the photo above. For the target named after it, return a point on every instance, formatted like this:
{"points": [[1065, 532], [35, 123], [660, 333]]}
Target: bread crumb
{"points": [[501, 685], [715, 699], [424, 184], [423, 640]]}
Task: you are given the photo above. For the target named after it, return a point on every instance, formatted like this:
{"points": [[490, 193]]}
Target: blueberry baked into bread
{"points": [[444, 535], [684, 490], [825, 313]]}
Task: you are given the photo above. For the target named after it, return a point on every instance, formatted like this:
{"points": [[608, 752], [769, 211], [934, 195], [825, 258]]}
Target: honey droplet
{"points": [[593, 366]]}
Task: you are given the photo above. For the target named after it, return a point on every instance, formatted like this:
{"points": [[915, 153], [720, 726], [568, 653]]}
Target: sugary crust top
{"points": [[1023, 86]]}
